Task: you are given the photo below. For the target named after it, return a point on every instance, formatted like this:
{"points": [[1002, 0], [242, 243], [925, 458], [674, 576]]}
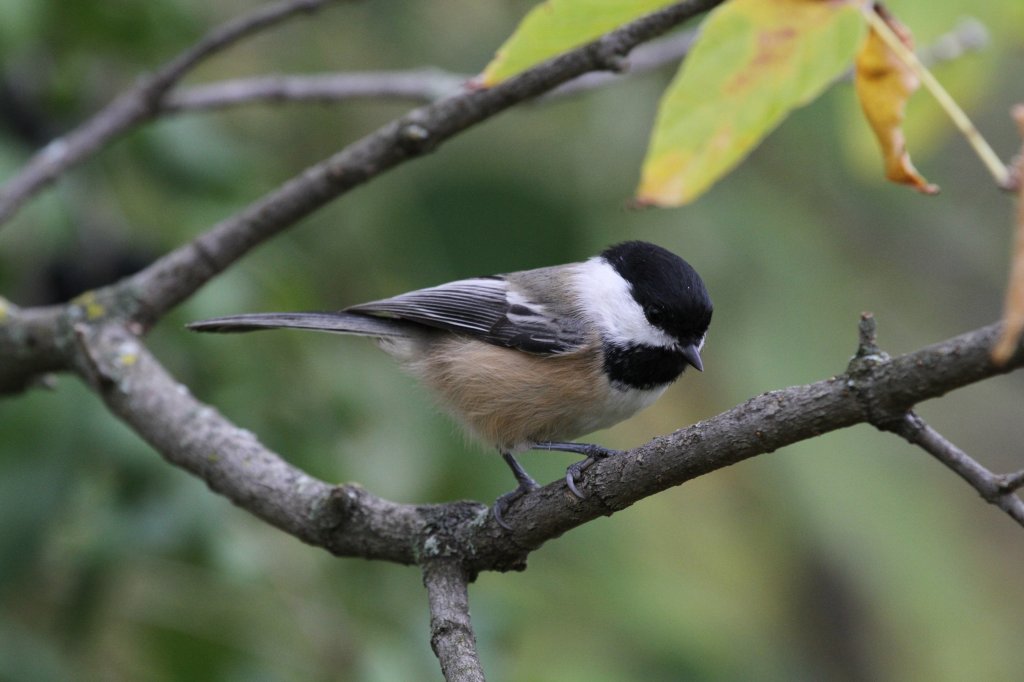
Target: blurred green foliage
{"points": [[849, 557]]}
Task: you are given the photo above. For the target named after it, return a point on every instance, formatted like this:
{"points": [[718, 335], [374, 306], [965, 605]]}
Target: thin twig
{"points": [[423, 85], [419, 85], [431, 84], [967, 35], [230, 33], [1013, 301], [138, 104], [451, 631], [996, 489]]}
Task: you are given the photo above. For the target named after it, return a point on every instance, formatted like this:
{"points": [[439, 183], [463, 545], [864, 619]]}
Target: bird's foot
{"points": [[592, 453], [574, 472], [526, 485], [501, 504]]}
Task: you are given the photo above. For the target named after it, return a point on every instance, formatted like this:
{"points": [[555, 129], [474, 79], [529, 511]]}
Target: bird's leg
{"points": [[526, 484], [591, 454]]}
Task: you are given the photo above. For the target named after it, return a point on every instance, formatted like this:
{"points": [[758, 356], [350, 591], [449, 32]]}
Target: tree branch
{"points": [[968, 35], [418, 85], [345, 520], [30, 345], [431, 84], [136, 105], [348, 521], [152, 97], [648, 57], [98, 337], [451, 632], [998, 490], [876, 390], [176, 276]]}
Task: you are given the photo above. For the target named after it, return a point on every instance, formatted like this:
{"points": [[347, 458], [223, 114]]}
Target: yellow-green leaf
{"points": [[753, 62], [555, 26]]}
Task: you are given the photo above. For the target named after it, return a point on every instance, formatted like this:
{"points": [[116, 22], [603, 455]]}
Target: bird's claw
{"points": [[501, 504], [576, 469], [573, 473]]}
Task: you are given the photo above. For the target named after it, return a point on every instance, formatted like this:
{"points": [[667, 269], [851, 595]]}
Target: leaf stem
{"points": [[988, 157]]}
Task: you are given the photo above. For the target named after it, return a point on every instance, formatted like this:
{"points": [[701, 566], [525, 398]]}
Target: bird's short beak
{"points": [[692, 355]]}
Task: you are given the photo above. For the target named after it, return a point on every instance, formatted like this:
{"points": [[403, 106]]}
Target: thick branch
{"points": [[348, 521], [345, 520], [30, 345], [136, 105], [880, 390], [451, 632]]}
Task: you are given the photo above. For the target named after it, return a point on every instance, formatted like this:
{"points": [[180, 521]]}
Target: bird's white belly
{"points": [[620, 405]]}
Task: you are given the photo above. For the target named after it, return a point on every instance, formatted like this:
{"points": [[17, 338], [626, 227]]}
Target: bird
{"points": [[532, 360]]}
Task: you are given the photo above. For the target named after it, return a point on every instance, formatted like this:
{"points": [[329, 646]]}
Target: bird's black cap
{"points": [[669, 290]]}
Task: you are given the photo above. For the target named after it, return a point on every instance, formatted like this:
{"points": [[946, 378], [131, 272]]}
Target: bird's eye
{"points": [[655, 313]]}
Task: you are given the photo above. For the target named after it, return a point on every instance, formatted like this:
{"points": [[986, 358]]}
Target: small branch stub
{"points": [[867, 332], [1009, 483]]}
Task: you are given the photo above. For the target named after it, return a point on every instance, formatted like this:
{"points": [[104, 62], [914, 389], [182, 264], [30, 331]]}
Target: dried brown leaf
{"points": [[884, 84]]}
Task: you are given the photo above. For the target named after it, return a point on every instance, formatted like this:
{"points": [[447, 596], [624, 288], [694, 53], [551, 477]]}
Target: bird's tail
{"points": [[339, 323]]}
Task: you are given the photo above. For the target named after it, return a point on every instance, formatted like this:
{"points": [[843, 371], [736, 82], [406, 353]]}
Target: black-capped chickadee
{"points": [[531, 359]]}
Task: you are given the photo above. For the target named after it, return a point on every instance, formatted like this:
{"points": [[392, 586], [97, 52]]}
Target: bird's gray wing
{"points": [[485, 308]]}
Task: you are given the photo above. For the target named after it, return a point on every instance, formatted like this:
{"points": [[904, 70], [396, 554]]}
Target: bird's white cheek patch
{"points": [[615, 311]]}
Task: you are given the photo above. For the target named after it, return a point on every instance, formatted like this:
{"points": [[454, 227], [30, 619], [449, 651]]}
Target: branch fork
{"points": [[996, 489]]}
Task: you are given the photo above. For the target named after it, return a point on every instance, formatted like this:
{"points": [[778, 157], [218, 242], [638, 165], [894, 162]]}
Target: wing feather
{"points": [[485, 308]]}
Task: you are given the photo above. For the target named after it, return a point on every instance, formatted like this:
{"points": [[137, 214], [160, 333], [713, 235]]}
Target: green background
{"points": [[849, 557]]}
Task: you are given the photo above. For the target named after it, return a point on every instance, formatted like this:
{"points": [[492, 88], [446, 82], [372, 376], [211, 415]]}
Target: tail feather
{"points": [[339, 323]]}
